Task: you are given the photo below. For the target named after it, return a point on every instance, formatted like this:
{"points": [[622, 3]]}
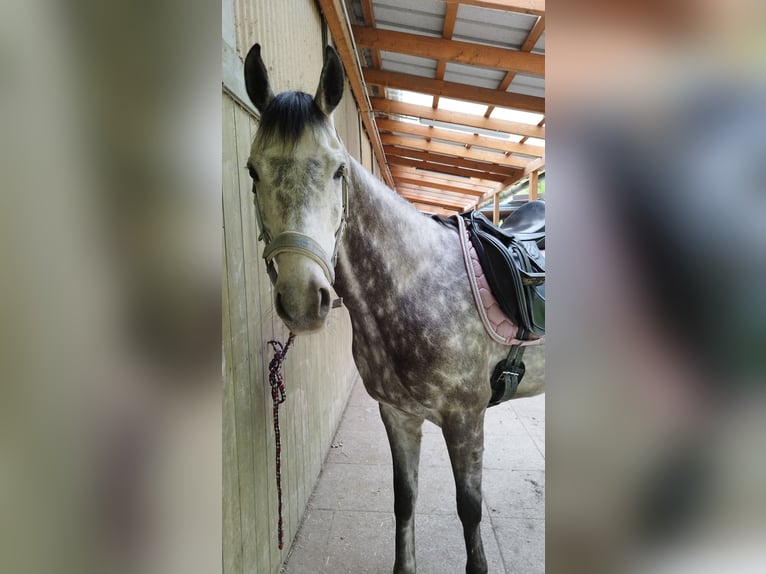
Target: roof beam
{"points": [[450, 17], [465, 182], [533, 166], [536, 7], [481, 169], [445, 197], [460, 137], [456, 150], [452, 50], [431, 209], [368, 13], [411, 194], [395, 160], [454, 90], [391, 107], [426, 184], [532, 38], [335, 16]]}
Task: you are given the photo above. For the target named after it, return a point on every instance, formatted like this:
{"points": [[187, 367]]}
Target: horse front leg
{"points": [[404, 435], [465, 442]]}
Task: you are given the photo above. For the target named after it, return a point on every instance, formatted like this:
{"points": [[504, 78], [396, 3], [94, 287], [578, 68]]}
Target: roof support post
{"points": [[533, 186]]}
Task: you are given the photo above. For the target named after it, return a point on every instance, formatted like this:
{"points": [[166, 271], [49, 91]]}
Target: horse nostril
{"points": [[280, 308], [324, 301]]}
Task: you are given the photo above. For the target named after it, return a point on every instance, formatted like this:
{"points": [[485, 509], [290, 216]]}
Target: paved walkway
{"points": [[349, 525]]}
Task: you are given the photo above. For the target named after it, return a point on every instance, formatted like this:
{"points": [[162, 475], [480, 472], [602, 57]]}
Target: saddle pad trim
{"points": [[496, 323]]}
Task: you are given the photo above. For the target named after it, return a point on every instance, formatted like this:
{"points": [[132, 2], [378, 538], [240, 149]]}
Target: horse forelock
{"points": [[285, 119]]}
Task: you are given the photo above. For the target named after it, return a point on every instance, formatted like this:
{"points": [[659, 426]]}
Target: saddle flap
{"points": [[515, 270]]}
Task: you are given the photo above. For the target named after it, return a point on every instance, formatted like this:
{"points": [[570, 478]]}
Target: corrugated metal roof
{"points": [[473, 75], [421, 16], [492, 27], [480, 69], [404, 63]]}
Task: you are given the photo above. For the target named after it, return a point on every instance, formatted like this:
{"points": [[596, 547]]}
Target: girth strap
{"points": [[507, 376], [294, 242]]}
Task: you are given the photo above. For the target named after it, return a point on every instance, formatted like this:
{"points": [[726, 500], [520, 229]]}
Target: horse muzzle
{"points": [[302, 296]]}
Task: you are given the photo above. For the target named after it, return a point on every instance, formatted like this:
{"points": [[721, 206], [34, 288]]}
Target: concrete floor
{"points": [[348, 527]]}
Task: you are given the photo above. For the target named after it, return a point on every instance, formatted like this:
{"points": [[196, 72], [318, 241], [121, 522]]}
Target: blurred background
{"points": [[110, 311], [110, 234], [656, 350]]}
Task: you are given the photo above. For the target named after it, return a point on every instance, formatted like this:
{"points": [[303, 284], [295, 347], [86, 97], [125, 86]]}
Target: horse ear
{"points": [[257, 79], [331, 82]]}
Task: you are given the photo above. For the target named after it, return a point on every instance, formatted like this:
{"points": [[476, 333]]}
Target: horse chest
{"points": [[420, 361]]}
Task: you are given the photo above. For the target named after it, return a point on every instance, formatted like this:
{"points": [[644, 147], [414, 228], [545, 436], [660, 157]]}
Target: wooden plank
{"points": [[447, 197], [481, 169], [232, 528], [454, 90], [456, 150], [535, 7], [469, 185], [262, 482], [471, 182], [420, 198], [426, 184], [460, 137], [504, 126], [239, 341], [451, 50], [496, 209], [442, 169], [335, 17], [432, 209]]}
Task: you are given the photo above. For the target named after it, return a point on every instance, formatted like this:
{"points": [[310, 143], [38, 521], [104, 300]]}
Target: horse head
{"points": [[298, 166]]}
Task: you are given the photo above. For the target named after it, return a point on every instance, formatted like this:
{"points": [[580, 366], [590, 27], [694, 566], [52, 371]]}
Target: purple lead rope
{"points": [[278, 396]]}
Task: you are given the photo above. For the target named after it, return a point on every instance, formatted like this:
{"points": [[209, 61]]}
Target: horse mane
{"points": [[286, 117]]}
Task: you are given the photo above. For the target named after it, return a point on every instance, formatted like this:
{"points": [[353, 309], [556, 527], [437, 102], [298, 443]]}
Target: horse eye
{"points": [[340, 171], [252, 172]]}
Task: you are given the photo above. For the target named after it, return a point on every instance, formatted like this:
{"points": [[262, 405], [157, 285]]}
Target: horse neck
{"points": [[386, 237]]}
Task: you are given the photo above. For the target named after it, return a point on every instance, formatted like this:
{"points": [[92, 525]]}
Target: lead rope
{"points": [[278, 396]]}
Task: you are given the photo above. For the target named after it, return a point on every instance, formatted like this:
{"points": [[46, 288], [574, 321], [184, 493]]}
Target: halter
{"points": [[300, 243]]}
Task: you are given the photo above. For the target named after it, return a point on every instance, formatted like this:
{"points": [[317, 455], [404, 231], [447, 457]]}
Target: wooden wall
{"points": [[319, 371]]}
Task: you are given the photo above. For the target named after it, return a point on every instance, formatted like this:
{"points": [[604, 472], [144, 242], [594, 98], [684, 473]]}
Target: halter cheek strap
{"points": [[295, 242]]}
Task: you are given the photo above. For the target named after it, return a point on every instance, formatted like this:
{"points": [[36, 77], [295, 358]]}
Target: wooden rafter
{"points": [[432, 209], [401, 108], [532, 38], [455, 90], [412, 193], [456, 199], [336, 22], [450, 17], [456, 150], [477, 184], [460, 137], [368, 13], [426, 184], [535, 7], [402, 158], [481, 168], [534, 166], [452, 50]]}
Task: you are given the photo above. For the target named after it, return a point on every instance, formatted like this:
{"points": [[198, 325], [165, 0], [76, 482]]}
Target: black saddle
{"points": [[512, 261], [527, 219]]}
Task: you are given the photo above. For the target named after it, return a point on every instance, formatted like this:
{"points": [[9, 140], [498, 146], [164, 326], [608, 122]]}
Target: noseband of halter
{"points": [[295, 242]]}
